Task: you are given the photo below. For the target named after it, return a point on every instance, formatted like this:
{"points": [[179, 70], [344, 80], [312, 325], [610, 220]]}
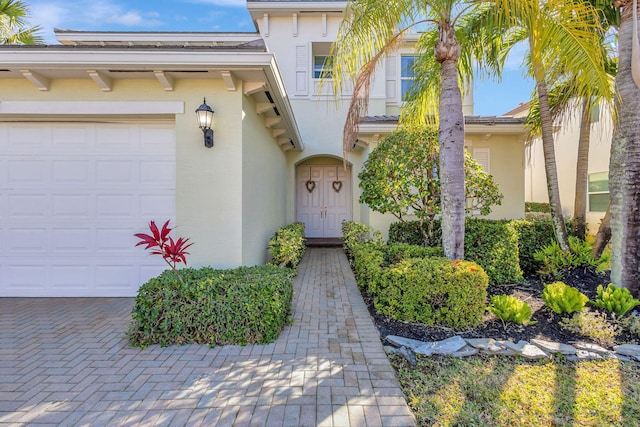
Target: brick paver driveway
{"points": [[67, 362]]}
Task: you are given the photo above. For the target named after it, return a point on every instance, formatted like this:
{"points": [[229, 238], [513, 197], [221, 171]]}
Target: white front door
{"points": [[323, 199]]}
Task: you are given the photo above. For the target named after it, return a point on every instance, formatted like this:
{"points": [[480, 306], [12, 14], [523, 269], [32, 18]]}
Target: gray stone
{"points": [[404, 342], [554, 347], [587, 346], [405, 352], [480, 343], [531, 351], [632, 350], [448, 346], [465, 351], [515, 347], [584, 355], [619, 357], [497, 347]]}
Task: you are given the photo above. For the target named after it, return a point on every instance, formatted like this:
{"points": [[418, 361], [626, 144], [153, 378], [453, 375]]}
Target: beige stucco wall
{"points": [[566, 146], [209, 181], [263, 186]]}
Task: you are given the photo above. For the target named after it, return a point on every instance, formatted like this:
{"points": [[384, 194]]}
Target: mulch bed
{"points": [[546, 326]]}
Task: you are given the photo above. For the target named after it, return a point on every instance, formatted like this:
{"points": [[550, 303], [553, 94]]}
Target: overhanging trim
{"points": [[91, 107]]}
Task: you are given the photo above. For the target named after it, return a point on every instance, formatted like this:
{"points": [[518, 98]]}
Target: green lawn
{"points": [[504, 391]]}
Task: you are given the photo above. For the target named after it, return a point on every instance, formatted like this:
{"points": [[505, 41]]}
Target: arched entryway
{"points": [[323, 196]]}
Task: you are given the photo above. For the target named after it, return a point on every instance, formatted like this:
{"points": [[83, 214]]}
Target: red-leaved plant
{"points": [[172, 251]]}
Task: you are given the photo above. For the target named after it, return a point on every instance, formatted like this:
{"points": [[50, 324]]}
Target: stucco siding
{"points": [[264, 174]]}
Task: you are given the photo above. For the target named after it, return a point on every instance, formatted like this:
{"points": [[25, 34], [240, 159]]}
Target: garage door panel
{"points": [[69, 207], [24, 206]]}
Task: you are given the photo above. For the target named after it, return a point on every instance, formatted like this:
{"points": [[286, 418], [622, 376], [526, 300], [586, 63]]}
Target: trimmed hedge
{"points": [[398, 252], [493, 244], [433, 291], [533, 236], [354, 233], [247, 305], [368, 262], [287, 245]]}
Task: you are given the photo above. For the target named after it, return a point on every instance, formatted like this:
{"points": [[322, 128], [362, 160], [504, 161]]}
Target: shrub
{"points": [[537, 207], [357, 233], [632, 323], [398, 252], [490, 243], [533, 235], [615, 300], [554, 260], [287, 245], [409, 233], [433, 291], [593, 325], [494, 246], [173, 252], [368, 261], [562, 298], [246, 305], [510, 309]]}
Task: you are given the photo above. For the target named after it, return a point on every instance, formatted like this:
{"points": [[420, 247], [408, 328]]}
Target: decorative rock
{"points": [[595, 348], [467, 350], [408, 354], [448, 346], [620, 357], [516, 348], [533, 352], [405, 342], [628, 350], [584, 355], [497, 347], [480, 343], [554, 347]]}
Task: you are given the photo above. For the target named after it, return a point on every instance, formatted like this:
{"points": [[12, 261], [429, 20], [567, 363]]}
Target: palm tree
{"points": [[564, 46], [14, 28], [374, 28], [624, 164]]}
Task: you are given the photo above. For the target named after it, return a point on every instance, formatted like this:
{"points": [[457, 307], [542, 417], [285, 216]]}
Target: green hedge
{"points": [[433, 291], [398, 252], [493, 244], [533, 236], [368, 261], [287, 245], [537, 207], [246, 305], [354, 233]]}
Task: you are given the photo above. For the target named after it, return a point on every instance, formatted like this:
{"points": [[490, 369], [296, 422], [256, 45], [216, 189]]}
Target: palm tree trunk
{"points": [[451, 141], [582, 172], [603, 235], [624, 169], [548, 148]]}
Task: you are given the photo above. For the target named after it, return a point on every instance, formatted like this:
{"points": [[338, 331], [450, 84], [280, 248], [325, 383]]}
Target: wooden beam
{"points": [[229, 80], [165, 80], [263, 107], [254, 87]]}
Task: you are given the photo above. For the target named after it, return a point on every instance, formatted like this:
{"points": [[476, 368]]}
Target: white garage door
{"points": [[71, 197]]}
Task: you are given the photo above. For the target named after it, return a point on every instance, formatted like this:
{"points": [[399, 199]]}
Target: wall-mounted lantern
{"points": [[205, 118]]}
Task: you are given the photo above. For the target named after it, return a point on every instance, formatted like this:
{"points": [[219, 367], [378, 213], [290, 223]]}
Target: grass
{"points": [[503, 391]]}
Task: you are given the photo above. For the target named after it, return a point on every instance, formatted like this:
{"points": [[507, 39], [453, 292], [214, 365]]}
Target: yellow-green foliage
{"points": [[562, 298], [615, 300], [593, 325], [354, 233], [368, 262], [287, 245], [433, 291], [510, 309]]}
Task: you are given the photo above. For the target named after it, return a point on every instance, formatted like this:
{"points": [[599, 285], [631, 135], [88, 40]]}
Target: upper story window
{"points": [[598, 191], [407, 75], [322, 68]]}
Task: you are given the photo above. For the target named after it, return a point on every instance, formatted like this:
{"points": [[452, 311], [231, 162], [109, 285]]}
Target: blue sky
{"points": [[491, 98]]}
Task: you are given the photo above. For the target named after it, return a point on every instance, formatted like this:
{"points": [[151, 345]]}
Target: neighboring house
{"points": [[98, 136], [566, 136]]}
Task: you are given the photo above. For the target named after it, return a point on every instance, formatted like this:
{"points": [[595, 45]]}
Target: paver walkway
{"points": [[67, 362]]}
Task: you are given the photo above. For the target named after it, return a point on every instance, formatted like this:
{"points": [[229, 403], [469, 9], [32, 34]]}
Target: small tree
{"points": [[400, 177]]}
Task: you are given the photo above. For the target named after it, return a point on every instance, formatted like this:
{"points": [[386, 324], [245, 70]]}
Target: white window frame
{"points": [[404, 78]]}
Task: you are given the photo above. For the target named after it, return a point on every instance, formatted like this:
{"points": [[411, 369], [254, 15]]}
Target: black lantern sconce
{"points": [[205, 118]]}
